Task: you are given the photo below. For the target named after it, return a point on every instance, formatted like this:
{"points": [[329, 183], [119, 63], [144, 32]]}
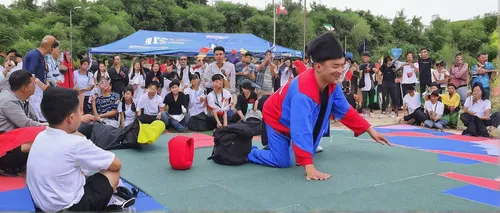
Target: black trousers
{"points": [[368, 101], [418, 115], [389, 89], [475, 125]]}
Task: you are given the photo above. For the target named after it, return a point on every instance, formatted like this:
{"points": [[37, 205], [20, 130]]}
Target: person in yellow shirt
{"points": [[451, 101]]}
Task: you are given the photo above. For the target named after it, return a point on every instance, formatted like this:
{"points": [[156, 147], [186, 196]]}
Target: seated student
{"points": [[246, 101], [126, 108], [297, 115], [451, 101], [476, 116], [411, 107], [433, 87], [16, 112], [434, 110], [105, 106], [59, 157], [196, 96], [150, 106], [176, 104], [219, 101]]}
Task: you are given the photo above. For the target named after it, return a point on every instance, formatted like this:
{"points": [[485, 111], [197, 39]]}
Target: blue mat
{"points": [[20, 200], [477, 194]]}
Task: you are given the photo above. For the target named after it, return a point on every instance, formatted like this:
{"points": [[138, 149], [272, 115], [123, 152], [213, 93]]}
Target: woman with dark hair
{"points": [[286, 72], [154, 75], [388, 86], [137, 80], [126, 108], [477, 110], [101, 72]]}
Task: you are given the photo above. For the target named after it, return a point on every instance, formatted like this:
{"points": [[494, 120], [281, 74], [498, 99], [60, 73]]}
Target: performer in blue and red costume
{"points": [[297, 115]]}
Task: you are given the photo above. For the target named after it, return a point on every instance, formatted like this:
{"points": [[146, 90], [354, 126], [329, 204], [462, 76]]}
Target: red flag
{"points": [[281, 10], [204, 50], [233, 52]]}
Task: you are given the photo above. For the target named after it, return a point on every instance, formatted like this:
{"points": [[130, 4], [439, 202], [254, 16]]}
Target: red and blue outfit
{"points": [[296, 117]]}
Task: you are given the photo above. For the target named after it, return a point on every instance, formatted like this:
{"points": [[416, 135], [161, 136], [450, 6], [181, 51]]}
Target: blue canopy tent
{"points": [[144, 42]]}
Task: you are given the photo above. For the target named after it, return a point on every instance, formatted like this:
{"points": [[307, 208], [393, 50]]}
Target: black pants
{"points": [[368, 101], [389, 89], [423, 87], [475, 125], [97, 194], [418, 115], [495, 119], [86, 106], [14, 162]]}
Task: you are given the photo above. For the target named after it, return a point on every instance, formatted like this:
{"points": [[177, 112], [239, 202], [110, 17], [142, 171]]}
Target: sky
{"points": [[448, 9]]}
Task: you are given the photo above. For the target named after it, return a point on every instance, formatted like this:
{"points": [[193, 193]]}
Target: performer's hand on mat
{"points": [[379, 138], [313, 174]]}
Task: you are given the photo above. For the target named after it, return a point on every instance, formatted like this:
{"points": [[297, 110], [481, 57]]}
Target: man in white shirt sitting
{"points": [[411, 107], [434, 110], [56, 177], [151, 106], [219, 101]]}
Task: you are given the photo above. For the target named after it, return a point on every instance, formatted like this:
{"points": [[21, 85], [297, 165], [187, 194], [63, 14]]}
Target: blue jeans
{"points": [[440, 124], [169, 121]]}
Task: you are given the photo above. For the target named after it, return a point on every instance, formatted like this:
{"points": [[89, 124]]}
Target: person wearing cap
{"points": [[412, 107], [432, 87], [246, 101], [297, 115], [219, 101], [434, 110]]}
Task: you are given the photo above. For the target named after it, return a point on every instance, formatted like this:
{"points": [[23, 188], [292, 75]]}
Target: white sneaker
{"points": [[117, 203], [319, 149], [372, 115]]}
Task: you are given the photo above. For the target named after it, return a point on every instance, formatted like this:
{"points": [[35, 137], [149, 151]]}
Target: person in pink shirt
{"points": [[459, 76]]}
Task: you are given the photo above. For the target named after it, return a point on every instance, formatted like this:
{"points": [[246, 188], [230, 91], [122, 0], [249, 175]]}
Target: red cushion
{"points": [[181, 152], [17, 137]]}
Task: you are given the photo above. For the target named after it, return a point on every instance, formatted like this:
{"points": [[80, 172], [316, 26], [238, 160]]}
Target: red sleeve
{"points": [[355, 122]]}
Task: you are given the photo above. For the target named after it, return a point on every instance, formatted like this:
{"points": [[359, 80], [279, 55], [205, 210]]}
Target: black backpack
{"points": [[232, 144], [201, 122]]}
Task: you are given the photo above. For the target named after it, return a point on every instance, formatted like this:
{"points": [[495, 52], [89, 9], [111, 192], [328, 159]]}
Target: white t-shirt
{"points": [[212, 69], [412, 102], [479, 107], [150, 106], [129, 114], [285, 76], [368, 83], [195, 105], [219, 102], [440, 76], [409, 74], [437, 108], [54, 176], [83, 81]]}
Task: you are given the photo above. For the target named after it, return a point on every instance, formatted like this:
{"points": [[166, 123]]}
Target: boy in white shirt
{"points": [[434, 110], [219, 101], [151, 106], [56, 177], [411, 105]]}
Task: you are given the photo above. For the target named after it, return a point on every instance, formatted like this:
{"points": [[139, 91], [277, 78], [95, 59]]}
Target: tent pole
{"points": [[274, 23], [305, 20]]}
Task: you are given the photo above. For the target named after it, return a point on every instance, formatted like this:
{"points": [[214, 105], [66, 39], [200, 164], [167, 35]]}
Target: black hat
{"points": [[247, 84], [325, 47], [435, 93], [217, 77], [411, 88]]}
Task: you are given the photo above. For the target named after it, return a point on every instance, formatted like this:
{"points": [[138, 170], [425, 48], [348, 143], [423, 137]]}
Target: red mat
{"points": [[202, 140], [11, 183], [478, 181]]}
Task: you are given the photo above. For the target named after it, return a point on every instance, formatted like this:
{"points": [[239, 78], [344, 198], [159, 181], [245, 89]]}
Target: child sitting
{"points": [[176, 104], [219, 101], [150, 107], [126, 108], [60, 155]]}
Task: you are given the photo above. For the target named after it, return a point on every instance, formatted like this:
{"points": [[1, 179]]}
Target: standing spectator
{"points": [[481, 73], [245, 69], [137, 80], [424, 67], [101, 73], [266, 73], [154, 75], [220, 66], [119, 76], [286, 72], [84, 83], [459, 76], [389, 87], [440, 75], [68, 76], [367, 83], [409, 75], [184, 70], [52, 61]]}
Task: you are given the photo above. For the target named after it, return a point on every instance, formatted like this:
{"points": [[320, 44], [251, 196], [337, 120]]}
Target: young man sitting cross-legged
{"points": [[60, 155], [297, 115]]}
